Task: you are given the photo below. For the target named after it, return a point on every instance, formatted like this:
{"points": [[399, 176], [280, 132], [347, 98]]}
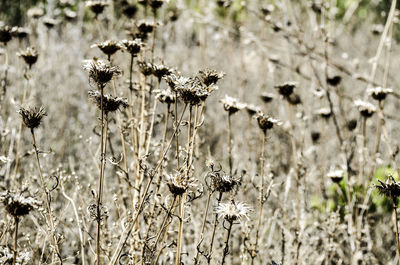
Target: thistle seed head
{"points": [[110, 103], [266, 122], [30, 56], [233, 211], [18, 205], [210, 76], [178, 184], [267, 97], [32, 117], [232, 105], [390, 189], [165, 96], [108, 47], [379, 93], [133, 46], [366, 109], [100, 72]]}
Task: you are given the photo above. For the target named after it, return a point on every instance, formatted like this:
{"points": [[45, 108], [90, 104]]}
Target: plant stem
{"points": [[261, 197], [230, 144], [226, 248], [397, 231], [196, 259], [15, 239], [213, 232]]}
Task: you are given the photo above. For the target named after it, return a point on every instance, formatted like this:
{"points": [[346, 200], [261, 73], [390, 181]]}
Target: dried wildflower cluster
{"points": [[232, 105], [266, 122], [110, 103], [390, 189], [100, 72], [17, 204], [108, 47], [32, 117]]}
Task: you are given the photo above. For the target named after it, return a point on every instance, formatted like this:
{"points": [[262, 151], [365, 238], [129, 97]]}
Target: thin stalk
{"points": [[47, 196], [397, 231], [100, 179], [15, 240], [364, 146], [99, 28], [5, 73], [226, 248], [209, 255], [196, 259], [230, 144], [176, 126], [181, 211], [261, 196]]}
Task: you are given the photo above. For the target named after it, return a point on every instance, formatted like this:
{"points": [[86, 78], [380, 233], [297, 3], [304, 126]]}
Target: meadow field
{"points": [[199, 132]]}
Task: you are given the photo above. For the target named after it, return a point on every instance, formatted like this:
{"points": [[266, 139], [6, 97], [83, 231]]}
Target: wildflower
{"points": [[294, 99], [20, 33], [18, 205], [6, 256], [223, 182], [390, 189], [5, 34], [69, 14], [160, 71], [49, 22], [94, 213], [133, 46], [351, 124], [210, 77], [252, 109], [191, 90], [100, 72], [35, 12], [334, 80], [365, 108], [266, 122], [96, 6], [32, 117], [379, 93], [315, 136], [286, 89], [233, 211], [156, 4], [165, 96], [145, 27], [178, 184], [335, 175], [129, 10], [174, 80], [110, 103], [232, 105], [145, 68], [30, 56], [108, 47], [267, 97], [324, 113]]}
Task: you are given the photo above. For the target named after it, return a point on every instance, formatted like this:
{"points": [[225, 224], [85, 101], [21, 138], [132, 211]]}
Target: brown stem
{"points": [[230, 144], [226, 248], [15, 239], [397, 231], [196, 259], [209, 255]]}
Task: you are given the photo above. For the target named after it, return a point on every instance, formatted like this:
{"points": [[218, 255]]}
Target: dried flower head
{"points": [[315, 136], [233, 211], [178, 183], [7, 256], [390, 189], [20, 33], [18, 205], [286, 89], [108, 47], [30, 56], [96, 215], [293, 99], [160, 70], [365, 108], [267, 97], [334, 80], [32, 117], [351, 124], [145, 27], [266, 122], [210, 76], [133, 46], [379, 93], [5, 33], [252, 109], [49, 22], [174, 80], [110, 103], [232, 105], [35, 12], [324, 113], [96, 6], [336, 175], [129, 10], [165, 96], [222, 182], [156, 4], [191, 90], [100, 72], [69, 14], [224, 3], [145, 68]]}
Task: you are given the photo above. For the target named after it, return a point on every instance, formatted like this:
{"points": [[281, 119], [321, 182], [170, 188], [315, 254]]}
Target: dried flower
{"points": [[69, 14], [49, 22], [252, 109], [336, 175], [108, 47], [390, 189], [145, 68], [7, 256], [286, 89], [35, 12], [18, 205], [129, 10], [266, 122], [20, 32], [293, 99], [192, 91], [110, 103], [178, 184], [224, 3], [210, 77], [267, 97], [5, 34], [233, 211], [365, 108], [334, 80], [165, 96], [96, 215], [160, 71], [232, 105], [156, 4], [324, 113], [351, 124], [133, 46], [96, 6], [145, 27], [100, 72], [222, 182], [379, 93], [32, 117], [315, 136], [30, 56]]}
